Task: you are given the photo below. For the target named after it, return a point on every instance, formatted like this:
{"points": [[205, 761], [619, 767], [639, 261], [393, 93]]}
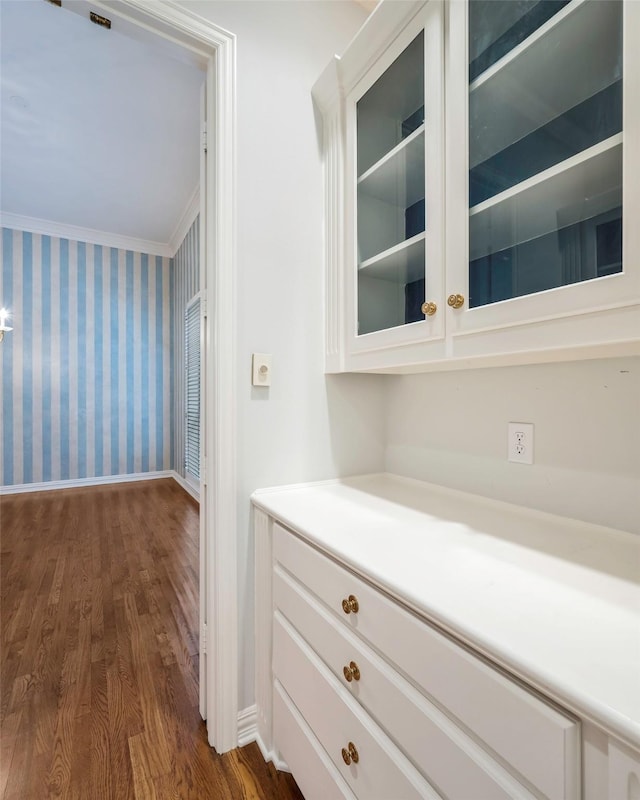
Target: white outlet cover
{"points": [[520, 442]]}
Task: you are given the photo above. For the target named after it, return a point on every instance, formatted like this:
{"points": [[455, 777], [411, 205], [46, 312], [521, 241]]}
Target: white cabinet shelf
{"points": [[398, 177], [403, 263], [577, 189], [569, 59], [386, 105]]}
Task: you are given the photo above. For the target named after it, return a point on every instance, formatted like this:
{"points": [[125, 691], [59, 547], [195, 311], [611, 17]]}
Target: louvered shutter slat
{"points": [[192, 389]]}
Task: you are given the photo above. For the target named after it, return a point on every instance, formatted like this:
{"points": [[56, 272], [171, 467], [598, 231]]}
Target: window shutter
{"points": [[192, 390]]}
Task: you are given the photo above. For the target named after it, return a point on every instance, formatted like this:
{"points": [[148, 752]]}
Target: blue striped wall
{"points": [[187, 284], [86, 372]]}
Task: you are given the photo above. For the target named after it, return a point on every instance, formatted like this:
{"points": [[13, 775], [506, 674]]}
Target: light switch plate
{"points": [[261, 369]]}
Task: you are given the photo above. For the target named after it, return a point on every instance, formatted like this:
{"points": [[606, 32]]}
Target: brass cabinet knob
{"points": [[455, 300], [352, 672], [350, 605], [429, 309], [349, 754]]}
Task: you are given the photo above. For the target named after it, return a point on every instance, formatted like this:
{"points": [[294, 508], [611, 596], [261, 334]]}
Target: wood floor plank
{"points": [[143, 784], [100, 761], [123, 724], [80, 785], [99, 660], [10, 727]]}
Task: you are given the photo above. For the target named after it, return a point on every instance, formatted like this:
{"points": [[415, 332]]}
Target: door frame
{"points": [[215, 50]]}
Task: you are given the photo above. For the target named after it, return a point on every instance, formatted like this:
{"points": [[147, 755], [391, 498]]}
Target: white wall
{"points": [[305, 427], [451, 428]]}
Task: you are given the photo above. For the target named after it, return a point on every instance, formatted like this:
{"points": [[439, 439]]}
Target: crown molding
{"points": [[79, 234], [185, 222], [382, 26], [326, 90]]}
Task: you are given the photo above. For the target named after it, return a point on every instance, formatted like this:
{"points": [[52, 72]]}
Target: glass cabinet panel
{"points": [[545, 145], [390, 134]]}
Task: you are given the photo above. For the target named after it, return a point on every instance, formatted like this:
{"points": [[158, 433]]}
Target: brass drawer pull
{"points": [[429, 309], [350, 605], [349, 754], [352, 672], [455, 300]]}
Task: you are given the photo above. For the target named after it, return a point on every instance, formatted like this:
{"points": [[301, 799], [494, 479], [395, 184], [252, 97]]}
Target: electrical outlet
{"points": [[520, 442]]}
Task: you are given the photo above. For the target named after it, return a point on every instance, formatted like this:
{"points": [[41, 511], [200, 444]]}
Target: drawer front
{"points": [[455, 765], [624, 772], [381, 772], [533, 738], [315, 775]]}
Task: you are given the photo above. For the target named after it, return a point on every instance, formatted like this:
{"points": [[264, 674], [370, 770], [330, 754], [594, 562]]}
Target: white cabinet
{"points": [[479, 159], [413, 642], [395, 123], [328, 628]]}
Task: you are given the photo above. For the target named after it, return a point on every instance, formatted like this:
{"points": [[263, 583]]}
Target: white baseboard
{"points": [[270, 755], [185, 485], [247, 725], [80, 482], [266, 754]]}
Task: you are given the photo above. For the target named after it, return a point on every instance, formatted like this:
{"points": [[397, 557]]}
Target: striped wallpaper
{"points": [[87, 371], [186, 285]]}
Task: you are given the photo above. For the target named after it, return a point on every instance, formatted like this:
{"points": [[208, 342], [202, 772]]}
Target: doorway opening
{"points": [[214, 48], [197, 40]]}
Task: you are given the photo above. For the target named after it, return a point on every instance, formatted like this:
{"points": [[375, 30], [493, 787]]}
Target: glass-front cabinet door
{"points": [[543, 183], [483, 158], [395, 123]]}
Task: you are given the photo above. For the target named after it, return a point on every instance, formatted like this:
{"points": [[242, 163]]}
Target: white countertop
{"points": [[554, 600]]}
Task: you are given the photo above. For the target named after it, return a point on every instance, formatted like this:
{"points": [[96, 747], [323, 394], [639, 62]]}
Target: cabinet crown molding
{"points": [[326, 90], [343, 72]]}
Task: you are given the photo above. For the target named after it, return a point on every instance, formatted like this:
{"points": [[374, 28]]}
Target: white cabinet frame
{"points": [[430, 17], [592, 319]]}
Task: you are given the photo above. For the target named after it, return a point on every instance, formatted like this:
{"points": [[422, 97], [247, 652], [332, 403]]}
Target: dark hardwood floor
{"points": [[99, 654]]}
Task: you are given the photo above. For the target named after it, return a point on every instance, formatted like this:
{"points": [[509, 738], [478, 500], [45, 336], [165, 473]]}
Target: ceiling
{"points": [[97, 130]]}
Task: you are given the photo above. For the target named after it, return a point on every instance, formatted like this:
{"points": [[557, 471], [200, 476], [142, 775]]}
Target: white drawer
{"points": [[453, 763], [624, 772], [533, 738], [382, 772], [315, 774]]}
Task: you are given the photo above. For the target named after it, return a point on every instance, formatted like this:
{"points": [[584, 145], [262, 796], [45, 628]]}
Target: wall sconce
{"points": [[3, 323]]}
